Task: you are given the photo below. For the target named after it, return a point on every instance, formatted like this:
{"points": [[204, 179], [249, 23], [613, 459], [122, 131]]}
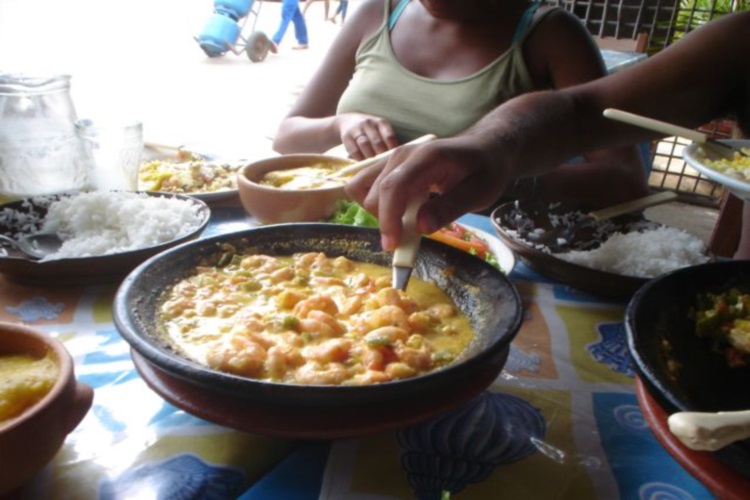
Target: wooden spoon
{"points": [[718, 147]]}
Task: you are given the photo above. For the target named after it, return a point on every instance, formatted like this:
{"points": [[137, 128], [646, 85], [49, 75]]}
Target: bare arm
{"points": [[702, 77], [312, 124], [570, 57]]}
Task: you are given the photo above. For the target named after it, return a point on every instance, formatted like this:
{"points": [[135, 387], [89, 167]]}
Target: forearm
{"points": [[298, 134]]}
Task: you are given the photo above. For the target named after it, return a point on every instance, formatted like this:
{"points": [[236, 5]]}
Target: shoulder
{"points": [[556, 30], [363, 22], [370, 13], [558, 21]]}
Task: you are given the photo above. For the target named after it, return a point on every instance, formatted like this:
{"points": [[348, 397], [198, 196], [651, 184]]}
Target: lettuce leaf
{"points": [[351, 213]]}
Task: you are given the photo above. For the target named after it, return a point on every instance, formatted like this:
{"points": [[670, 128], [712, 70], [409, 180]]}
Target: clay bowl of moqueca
{"points": [[43, 402], [317, 411]]}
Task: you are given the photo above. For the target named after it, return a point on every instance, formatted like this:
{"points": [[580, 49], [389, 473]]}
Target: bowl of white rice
{"points": [[105, 234], [731, 171], [612, 258]]}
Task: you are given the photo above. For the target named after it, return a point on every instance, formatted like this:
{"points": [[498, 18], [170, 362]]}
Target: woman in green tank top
{"points": [[403, 68]]}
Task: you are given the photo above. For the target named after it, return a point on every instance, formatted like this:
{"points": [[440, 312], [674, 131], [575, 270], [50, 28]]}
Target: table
{"points": [[616, 60], [561, 421]]}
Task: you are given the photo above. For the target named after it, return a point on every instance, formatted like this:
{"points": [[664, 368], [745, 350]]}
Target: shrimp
{"points": [[238, 355], [342, 264], [316, 303], [329, 351], [329, 320], [316, 328], [442, 311], [421, 321], [281, 359], [316, 374], [287, 299], [419, 359], [371, 377], [177, 307], [351, 305], [386, 335], [283, 274], [400, 370], [261, 263], [386, 316]]}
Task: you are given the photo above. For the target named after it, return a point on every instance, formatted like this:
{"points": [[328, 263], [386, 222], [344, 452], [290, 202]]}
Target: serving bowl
{"points": [[31, 439], [696, 155], [507, 225], [271, 205], [25, 217], [678, 368], [481, 291]]}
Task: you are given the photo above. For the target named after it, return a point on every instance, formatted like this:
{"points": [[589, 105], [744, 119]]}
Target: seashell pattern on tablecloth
{"points": [[452, 450]]}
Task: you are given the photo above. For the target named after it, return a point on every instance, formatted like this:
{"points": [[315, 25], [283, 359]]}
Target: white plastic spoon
{"points": [[710, 431]]}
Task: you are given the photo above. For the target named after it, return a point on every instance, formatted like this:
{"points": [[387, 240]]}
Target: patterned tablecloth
{"points": [[561, 421]]}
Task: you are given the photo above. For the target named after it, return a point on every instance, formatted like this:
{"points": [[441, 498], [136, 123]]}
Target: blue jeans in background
{"points": [[343, 5], [290, 13]]}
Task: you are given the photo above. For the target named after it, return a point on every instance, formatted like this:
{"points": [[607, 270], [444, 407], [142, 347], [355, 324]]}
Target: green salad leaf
{"points": [[351, 213]]}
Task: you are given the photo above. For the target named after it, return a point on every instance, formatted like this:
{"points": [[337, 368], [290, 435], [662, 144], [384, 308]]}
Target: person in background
{"points": [[341, 10], [400, 69], [326, 7], [290, 13], [703, 76]]}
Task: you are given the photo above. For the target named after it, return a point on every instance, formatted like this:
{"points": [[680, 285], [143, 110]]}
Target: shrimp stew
{"points": [[311, 319]]}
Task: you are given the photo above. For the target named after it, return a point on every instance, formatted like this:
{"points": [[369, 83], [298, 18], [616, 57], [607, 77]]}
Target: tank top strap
{"points": [[396, 13], [526, 21]]}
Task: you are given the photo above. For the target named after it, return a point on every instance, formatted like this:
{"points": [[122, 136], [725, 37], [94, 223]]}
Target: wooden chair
{"points": [[638, 44], [630, 25]]}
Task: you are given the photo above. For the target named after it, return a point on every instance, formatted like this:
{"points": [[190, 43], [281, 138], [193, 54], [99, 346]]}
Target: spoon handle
{"points": [[361, 165], [655, 125], [634, 205]]}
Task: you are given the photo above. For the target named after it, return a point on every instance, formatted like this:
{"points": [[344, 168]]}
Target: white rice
{"points": [[644, 254], [101, 223]]}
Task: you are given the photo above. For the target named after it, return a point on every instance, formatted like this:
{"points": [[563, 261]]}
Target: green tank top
{"points": [[415, 105]]}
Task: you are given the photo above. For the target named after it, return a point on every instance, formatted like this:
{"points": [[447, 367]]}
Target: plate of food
{"points": [[733, 171], [613, 257], [104, 235], [202, 177]]}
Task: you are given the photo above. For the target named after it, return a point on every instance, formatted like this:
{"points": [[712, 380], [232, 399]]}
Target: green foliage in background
{"points": [[695, 13]]}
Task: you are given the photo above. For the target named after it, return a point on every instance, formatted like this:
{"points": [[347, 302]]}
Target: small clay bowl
{"points": [[30, 440], [271, 205]]}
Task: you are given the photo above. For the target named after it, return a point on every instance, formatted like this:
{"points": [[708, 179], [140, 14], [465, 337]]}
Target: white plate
{"points": [[695, 156], [212, 196], [504, 255]]}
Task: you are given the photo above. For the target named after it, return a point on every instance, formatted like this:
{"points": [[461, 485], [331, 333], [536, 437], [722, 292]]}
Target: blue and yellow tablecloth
{"points": [[561, 422]]}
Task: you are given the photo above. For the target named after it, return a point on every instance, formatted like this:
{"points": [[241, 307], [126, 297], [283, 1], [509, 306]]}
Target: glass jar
{"points": [[39, 150]]}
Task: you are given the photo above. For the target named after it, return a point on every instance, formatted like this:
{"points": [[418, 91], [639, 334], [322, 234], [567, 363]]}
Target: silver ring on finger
{"points": [[360, 136]]}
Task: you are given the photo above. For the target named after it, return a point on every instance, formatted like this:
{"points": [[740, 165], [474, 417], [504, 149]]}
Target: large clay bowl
{"points": [[30, 440], [482, 292], [679, 369]]}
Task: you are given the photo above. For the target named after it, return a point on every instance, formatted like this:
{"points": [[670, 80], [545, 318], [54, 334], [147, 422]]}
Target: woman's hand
{"points": [[365, 136], [458, 170]]}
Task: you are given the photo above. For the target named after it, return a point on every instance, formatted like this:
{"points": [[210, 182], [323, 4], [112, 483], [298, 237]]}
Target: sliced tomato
{"points": [[462, 238]]}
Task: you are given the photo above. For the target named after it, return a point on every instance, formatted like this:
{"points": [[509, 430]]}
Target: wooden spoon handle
{"points": [[634, 205], [655, 125], [361, 165]]}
